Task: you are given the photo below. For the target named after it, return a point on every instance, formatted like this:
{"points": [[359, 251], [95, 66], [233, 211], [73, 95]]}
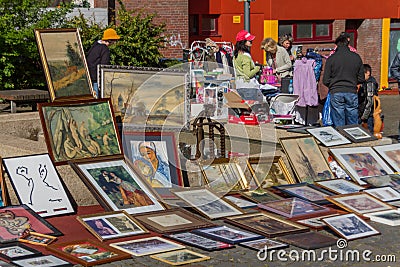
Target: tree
{"points": [[19, 58]]}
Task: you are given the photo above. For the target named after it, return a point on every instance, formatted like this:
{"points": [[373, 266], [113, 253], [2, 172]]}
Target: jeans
{"points": [[96, 89], [344, 108]]}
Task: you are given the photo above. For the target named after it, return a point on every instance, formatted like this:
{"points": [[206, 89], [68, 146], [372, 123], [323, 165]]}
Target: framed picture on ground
{"points": [[37, 239], [79, 129], [64, 64], [172, 220], [18, 220], [198, 241], [37, 184], [240, 202], [389, 217], [315, 222], [356, 133], [307, 192], [392, 180], [16, 251], [328, 136], [180, 257], [391, 154], [88, 252], [3, 190], [340, 186], [116, 186], [155, 156], [359, 203], [110, 225], [43, 261], [306, 159], [227, 234], [260, 195], [385, 193], [309, 240], [264, 244], [151, 97], [361, 162], [147, 246], [266, 224], [207, 203], [350, 226]]}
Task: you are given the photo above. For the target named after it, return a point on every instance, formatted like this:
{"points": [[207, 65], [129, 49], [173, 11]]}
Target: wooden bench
{"points": [[24, 96]]}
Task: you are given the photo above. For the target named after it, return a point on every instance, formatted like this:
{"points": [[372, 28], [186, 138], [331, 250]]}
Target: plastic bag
{"points": [[326, 112]]}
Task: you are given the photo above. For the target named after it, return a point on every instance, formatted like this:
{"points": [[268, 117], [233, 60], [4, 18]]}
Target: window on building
{"points": [[394, 41], [194, 24], [209, 25], [305, 31]]}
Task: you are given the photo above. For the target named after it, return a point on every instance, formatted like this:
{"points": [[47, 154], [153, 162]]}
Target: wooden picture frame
{"points": [[309, 240], [360, 162], [116, 186], [228, 234], [37, 239], [241, 202], [350, 226], [385, 193], [172, 220], [340, 186], [262, 244], [260, 195], [143, 147], [17, 251], [315, 222], [19, 219], [306, 159], [180, 257], [328, 136], [391, 154], [37, 184], [207, 203], [266, 224], [359, 203], [306, 191], [64, 64], [109, 225], [294, 208], [392, 180], [146, 246], [356, 133], [96, 136], [157, 99], [88, 252], [198, 241], [4, 199], [50, 260]]}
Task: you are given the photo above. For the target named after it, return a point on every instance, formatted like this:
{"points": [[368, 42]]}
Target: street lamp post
{"points": [[247, 13]]}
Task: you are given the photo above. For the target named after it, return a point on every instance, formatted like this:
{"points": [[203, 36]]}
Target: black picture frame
{"points": [[198, 241], [356, 133], [30, 252]]}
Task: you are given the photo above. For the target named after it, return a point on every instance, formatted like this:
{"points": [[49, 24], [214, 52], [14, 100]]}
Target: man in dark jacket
{"points": [[395, 68], [366, 99], [344, 70]]}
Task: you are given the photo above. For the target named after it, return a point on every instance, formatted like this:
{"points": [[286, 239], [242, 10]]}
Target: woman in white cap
{"points": [[99, 53]]}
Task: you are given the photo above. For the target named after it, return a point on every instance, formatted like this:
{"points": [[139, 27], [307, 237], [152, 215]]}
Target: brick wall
{"points": [[174, 14]]}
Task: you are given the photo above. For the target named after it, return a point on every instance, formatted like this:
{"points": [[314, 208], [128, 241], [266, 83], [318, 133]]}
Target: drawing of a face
{"points": [[14, 225]]}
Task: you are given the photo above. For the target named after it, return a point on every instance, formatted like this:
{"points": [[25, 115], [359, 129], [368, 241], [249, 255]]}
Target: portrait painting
{"points": [[361, 162], [391, 154], [117, 186], [78, 130], [147, 246], [180, 257], [154, 155], [350, 226], [392, 180], [42, 261], [199, 241], [306, 159], [227, 234], [38, 185], [64, 64], [340, 186], [328, 136]]}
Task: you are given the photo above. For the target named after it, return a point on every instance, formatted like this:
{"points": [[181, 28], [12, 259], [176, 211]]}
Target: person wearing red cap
{"points": [[244, 64]]}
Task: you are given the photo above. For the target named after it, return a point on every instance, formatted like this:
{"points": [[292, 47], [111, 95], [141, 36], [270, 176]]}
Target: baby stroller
{"points": [[282, 107]]}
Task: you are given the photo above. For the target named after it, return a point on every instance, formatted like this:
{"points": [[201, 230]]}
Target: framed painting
{"points": [[385, 193], [361, 162], [315, 222], [3, 190], [44, 261], [110, 225], [88, 252], [172, 220], [147, 246], [79, 129], [389, 217], [64, 64], [359, 203], [309, 240], [207, 203], [147, 97], [227, 234], [307, 192], [198, 241], [16, 251], [154, 155], [350, 226], [391, 154], [16, 221], [306, 159], [266, 224], [269, 171], [223, 176], [340, 186], [294, 208], [356, 133], [328, 136], [392, 180], [116, 186], [37, 239], [180, 257], [37, 184], [260, 195], [264, 244], [240, 202]]}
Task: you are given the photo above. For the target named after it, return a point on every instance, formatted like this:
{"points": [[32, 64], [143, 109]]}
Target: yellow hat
{"points": [[110, 34]]}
